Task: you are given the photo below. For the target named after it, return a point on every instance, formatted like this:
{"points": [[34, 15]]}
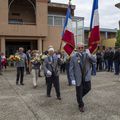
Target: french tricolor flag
{"points": [[67, 35], [94, 37]]}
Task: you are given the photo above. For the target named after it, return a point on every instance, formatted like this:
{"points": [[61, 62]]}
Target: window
{"points": [[50, 20], [58, 20], [22, 12], [55, 20]]}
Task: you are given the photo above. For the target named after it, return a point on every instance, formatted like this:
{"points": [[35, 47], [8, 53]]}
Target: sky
{"points": [[108, 13]]}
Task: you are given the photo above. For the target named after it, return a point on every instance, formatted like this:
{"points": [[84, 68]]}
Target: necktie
{"points": [[82, 56], [51, 59]]}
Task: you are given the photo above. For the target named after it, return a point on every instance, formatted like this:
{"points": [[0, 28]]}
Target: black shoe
{"points": [[48, 95], [16, 83], [59, 98], [81, 109], [21, 83], [34, 86]]}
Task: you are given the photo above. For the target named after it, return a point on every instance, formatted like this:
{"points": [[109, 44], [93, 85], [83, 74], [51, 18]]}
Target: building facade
{"points": [[107, 36], [33, 24], [36, 24]]}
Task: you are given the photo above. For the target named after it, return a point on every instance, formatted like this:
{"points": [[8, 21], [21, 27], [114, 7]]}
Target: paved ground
{"points": [[26, 103]]}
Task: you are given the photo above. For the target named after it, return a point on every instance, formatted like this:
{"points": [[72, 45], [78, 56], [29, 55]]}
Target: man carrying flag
{"points": [[94, 38], [67, 35], [80, 72]]}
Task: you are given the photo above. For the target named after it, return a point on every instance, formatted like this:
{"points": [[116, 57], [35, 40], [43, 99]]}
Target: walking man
{"points": [[21, 66], [116, 59], [51, 70], [80, 72]]}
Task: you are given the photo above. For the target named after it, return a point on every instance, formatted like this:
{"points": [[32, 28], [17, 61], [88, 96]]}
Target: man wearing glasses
{"points": [[80, 73]]}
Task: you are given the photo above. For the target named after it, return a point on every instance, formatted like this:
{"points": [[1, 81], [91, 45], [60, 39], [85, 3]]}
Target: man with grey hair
{"points": [[51, 71], [80, 73], [21, 66]]}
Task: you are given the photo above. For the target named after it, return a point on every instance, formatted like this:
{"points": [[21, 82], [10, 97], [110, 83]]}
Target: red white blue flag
{"points": [[68, 35], [94, 37]]}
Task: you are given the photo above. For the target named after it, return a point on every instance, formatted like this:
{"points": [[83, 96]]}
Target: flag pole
{"points": [[61, 39], [60, 45]]}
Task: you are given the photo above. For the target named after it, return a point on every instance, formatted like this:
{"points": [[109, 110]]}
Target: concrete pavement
{"points": [[27, 103]]}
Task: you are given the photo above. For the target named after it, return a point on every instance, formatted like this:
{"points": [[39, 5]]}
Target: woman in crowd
{"points": [[35, 61]]}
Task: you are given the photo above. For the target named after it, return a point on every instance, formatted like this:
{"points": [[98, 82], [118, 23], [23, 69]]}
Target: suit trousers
{"points": [[20, 74], [117, 69], [110, 65], [68, 74], [53, 80], [81, 91]]}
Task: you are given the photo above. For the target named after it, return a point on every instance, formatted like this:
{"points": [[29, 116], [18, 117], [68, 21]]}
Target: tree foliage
{"points": [[117, 44]]}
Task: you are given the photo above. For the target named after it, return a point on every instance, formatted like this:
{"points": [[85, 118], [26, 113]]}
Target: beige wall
{"points": [[2, 44], [40, 29], [109, 42], [54, 37]]}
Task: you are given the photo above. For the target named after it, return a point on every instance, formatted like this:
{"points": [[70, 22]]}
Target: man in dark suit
{"points": [[116, 59], [51, 71], [110, 59]]}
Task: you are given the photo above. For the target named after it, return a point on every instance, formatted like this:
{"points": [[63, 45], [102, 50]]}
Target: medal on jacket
{"points": [[78, 61], [50, 63]]}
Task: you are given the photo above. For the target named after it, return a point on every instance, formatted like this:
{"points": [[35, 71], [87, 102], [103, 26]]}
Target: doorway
{"points": [[13, 46]]}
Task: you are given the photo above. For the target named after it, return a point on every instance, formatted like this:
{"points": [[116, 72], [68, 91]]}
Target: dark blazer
{"points": [[52, 66]]}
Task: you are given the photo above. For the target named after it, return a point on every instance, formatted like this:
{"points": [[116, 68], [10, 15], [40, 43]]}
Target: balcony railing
{"points": [[20, 22]]}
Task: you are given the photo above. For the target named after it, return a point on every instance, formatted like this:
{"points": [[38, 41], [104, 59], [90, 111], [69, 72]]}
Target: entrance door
{"points": [[13, 46]]}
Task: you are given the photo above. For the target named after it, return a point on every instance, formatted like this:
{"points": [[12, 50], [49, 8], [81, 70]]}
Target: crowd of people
{"points": [[108, 60], [78, 67]]}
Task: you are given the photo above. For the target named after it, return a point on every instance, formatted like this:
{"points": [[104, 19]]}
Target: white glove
{"points": [[58, 55], [49, 73], [88, 52], [73, 82]]}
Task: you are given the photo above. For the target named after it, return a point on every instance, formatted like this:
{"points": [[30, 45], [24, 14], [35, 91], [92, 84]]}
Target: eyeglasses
{"points": [[81, 47]]}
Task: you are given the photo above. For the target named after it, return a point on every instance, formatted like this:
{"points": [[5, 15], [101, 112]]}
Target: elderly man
{"points": [[80, 72], [21, 66], [51, 71]]}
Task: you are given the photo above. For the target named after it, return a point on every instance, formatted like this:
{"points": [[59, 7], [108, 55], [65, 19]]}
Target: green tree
{"points": [[117, 44]]}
